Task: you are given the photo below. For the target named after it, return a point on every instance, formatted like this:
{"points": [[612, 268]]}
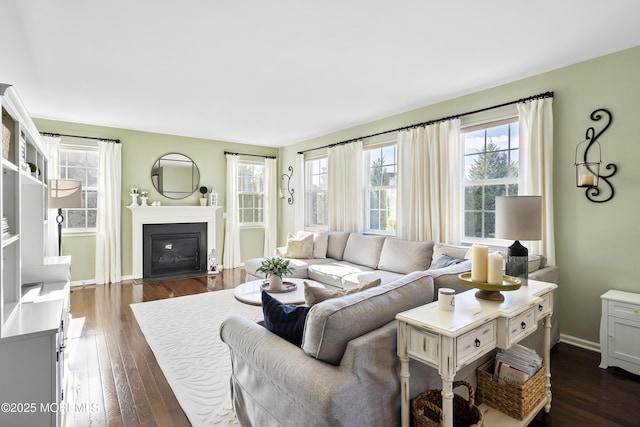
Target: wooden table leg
{"points": [[404, 375]]}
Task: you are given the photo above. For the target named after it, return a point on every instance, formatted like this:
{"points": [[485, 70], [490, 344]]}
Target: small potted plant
{"points": [[274, 268], [203, 195], [35, 170]]}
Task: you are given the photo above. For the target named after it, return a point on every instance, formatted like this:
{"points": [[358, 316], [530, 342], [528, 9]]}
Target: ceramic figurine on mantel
{"points": [[143, 198], [134, 197]]}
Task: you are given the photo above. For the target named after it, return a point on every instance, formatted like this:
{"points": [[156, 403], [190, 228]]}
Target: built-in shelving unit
{"points": [[33, 316]]}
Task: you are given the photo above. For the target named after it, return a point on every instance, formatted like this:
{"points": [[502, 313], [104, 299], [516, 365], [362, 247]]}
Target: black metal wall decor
{"points": [[588, 175], [286, 185]]}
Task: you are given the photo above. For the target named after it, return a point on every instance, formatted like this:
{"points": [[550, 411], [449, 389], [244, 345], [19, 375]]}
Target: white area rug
{"points": [[184, 335]]}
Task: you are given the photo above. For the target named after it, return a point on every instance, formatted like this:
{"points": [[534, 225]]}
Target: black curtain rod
{"points": [[117, 141], [253, 155], [430, 122]]}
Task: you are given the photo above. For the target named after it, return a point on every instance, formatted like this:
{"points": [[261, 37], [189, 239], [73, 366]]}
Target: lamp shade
{"points": [[519, 217], [65, 193]]}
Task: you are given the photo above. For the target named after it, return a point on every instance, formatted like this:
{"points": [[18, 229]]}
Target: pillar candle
{"points": [[494, 275], [479, 263], [587, 179]]}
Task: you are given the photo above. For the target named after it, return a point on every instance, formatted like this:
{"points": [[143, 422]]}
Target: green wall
{"points": [[140, 150], [595, 243], [596, 246]]}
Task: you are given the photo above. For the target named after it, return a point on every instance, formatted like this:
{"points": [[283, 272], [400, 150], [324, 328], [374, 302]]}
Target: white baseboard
{"points": [[579, 342]]}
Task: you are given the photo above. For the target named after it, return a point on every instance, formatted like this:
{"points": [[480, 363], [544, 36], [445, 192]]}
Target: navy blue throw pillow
{"points": [[284, 320]]}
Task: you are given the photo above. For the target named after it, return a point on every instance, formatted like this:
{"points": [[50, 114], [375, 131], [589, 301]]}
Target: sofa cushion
{"points": [[331, 324], [405, 256], [336, 242], [332, 273], [316, 294], [299, 246], [363, 250], [284, 320]]}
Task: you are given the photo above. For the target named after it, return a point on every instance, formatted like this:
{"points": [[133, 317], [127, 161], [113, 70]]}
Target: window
{"points": [[380, 189], [81, 163], [251, 194], [316, 210], [490, 170]]}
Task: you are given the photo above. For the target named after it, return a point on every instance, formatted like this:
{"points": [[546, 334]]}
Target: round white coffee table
{"points": [[250, 292]]}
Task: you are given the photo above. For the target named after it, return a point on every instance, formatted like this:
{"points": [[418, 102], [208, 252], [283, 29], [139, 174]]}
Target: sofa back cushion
{"points": [[363, 250], [336, 242], [331, 324], [405, 256]]}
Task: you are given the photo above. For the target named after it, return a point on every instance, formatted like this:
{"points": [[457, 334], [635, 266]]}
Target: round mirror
{"points": [[175, 176]]}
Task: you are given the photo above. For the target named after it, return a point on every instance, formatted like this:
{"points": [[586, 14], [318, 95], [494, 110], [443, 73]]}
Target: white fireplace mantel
{"points": [[169, 215]]}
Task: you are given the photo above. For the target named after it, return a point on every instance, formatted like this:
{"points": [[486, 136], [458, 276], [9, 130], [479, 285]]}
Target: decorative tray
{"points": [[288, 287], [491, 291]]}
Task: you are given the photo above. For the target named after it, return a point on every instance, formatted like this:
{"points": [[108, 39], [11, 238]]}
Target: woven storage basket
{"points": [[426, 409], [514, 400], [6, 141]]}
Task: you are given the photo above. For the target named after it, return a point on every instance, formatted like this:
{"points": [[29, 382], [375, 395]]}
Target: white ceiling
{"points": [[275, 72]]}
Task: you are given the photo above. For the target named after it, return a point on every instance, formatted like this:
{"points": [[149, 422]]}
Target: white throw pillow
{"points": [[299, 246]]}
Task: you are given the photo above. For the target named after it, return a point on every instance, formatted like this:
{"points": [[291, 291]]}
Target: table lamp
{"points": [[64, 194], [518, 218]]}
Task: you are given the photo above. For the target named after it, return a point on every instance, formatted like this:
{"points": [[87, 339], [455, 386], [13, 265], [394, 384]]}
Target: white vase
{"points": [[275, 283], [203, 201]]}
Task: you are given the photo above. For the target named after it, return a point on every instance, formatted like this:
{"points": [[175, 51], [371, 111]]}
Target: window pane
{"points": [[498, 138], [91, 199], [75, 218], [490, 194], [473, 198], [474, 167], [473, 224]]}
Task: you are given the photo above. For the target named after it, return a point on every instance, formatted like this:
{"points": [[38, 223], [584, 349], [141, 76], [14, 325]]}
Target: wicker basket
{"points": [[515, 400], [426, 409], [6, 141]]}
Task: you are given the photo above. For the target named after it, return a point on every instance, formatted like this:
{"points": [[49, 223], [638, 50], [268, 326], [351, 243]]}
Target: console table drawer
{"points": [[475, 343], [544, 307], [624, 309], [522, 325], [423, 345]]}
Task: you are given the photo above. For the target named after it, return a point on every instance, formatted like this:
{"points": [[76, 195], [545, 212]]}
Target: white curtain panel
{"points": [[300, 200], [271, 187], [108, 256], [345, 191], [231, 256], [536, 167], [53, 172], [429, 183]]}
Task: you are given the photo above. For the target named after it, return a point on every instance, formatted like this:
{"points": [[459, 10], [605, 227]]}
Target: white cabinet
{"points": [[33, 318], [620, 331]]}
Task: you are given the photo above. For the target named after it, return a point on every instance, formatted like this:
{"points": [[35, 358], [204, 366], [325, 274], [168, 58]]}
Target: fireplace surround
{"points": [[142, 215]]}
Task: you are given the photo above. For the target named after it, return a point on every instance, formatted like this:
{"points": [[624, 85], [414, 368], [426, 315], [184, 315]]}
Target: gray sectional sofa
{"points": [[346, 372], [347, 260]]}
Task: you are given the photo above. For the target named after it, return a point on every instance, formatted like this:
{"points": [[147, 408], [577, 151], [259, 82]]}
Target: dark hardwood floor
{"points": [[113, 378]]}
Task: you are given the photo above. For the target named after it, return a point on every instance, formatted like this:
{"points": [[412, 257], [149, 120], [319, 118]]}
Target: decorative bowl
{"points": [[490, 291]]}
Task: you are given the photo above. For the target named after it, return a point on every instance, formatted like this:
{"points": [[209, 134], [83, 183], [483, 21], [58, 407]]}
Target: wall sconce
{"points": [[588, 169], [286, 186]]}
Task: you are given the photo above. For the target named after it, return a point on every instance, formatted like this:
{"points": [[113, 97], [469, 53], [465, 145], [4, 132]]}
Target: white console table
{"points": [[450, 340]]}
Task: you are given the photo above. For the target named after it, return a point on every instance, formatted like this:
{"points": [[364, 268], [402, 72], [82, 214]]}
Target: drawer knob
{"points": [[523, 325], [477, 343], [540, 307]]}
